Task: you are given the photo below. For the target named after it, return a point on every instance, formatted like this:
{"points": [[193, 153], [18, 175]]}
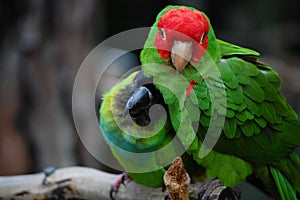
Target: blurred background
{"points": [[43, 43]]}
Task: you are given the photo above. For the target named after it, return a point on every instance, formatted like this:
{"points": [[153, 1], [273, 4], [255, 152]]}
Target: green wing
{"points": [[228, 49], [260, 127], [257, 113], [254, 104], [134, 146]]}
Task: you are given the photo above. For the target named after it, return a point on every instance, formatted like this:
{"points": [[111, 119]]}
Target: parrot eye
{"points": [[162, 34], [203, 37]]}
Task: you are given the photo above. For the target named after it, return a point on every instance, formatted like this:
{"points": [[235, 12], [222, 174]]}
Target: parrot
{"points": [[123, 116], [135, 124], [129, 128], [214, 103], [224, 103]]}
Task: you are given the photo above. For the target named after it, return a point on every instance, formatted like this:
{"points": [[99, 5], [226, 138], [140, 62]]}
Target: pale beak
{"points": [[181, 54]]}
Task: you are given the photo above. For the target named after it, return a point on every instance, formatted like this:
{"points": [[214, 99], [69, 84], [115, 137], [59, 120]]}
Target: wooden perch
{"points": [[77, 183], [73, 183]]}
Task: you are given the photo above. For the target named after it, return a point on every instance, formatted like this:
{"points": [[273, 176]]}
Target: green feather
{"points": [[261, 121], [269, 112], [204, 104], [236, 107], [286, 191], [240, 66], [252, 106], [243, 79], [247, 129], [201, 90], [261, 80], [231, 49], [273, 79], [254, 91], [204, 120], [230, 113], [230, 128], [235, 95], [280, 108], [270, 93], [242, 116], [226, 73], [279, 126]]}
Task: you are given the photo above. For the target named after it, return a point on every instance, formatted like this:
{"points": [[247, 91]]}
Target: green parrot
{"points": [[123, 116], [223, 103], [142, 140], [136, 125], [220, 109]]}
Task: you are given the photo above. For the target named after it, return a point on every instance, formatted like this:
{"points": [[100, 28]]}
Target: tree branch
{"points": [[77, 183], [72, 182]]}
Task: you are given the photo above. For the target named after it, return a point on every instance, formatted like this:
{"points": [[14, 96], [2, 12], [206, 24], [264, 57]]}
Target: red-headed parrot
{"points": [[222, 104]]}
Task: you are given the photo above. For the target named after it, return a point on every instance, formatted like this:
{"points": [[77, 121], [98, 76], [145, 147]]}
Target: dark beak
{"points": [[181, 54]]}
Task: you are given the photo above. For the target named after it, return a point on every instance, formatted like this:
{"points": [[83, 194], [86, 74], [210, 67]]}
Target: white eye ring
{"points": [[162, 34], [203, 37]]}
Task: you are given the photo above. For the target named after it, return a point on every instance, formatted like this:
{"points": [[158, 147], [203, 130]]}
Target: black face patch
{"points": [[139, 104], [135, 100]]}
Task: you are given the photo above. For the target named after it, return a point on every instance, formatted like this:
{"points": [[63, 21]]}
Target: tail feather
{"points": [[285, 190], [294, 156], [289, 167]]}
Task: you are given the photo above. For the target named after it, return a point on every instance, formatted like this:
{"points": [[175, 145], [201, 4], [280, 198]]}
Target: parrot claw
{"points": [[111, 192], [215, 189], [167, 196], [164, 189], [123, 178], [120, 181]]}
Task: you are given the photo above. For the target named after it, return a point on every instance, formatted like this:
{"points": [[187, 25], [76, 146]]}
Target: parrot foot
{"points": [[165, 191], [216, 190], [167, 195], [120, 180]]}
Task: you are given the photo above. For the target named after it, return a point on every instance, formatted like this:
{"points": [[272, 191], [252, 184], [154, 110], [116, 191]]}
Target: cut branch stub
{"points": [[177, 180]]}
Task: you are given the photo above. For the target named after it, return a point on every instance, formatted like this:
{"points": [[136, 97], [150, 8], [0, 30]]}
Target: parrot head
{"points": [[182, 36]]}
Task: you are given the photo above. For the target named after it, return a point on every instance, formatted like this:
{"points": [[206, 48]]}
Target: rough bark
{"points": [[75, 183], [88, 183]]}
